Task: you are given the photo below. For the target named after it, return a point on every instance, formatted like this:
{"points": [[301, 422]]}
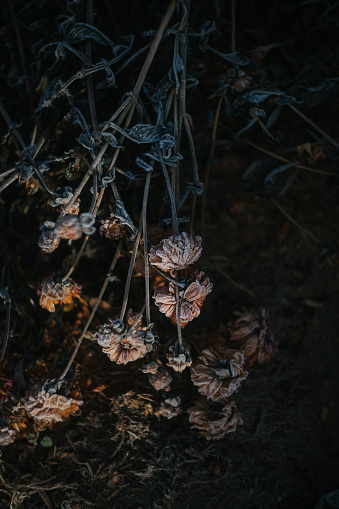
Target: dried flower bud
{"points": [[65, 195], [86, 222], [176, 253], [123, 343], [252, 331], [112, 228], [46, 408], [198, 286], [151, 367], [52, 293], [68, 227], [179, 358], [219, 372], [170, 408], [161, 380], [212, 422], [48, 240]]}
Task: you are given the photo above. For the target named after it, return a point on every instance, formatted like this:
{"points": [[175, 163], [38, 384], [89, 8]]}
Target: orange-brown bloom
{"points": [[127, 342], [252, 331], [53, 293], [112, 228], [46, 407], [197, 287], [176, 253], [218, 373], [212, 422]]}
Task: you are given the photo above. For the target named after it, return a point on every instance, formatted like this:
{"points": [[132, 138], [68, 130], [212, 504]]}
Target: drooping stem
{"points": [[293, 221], [94, 310], [170, 194], [177, 314]]}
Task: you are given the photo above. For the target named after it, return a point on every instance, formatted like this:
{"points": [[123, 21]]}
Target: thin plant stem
{"points": [[170, 194], [280, 158], [315, 126], [7, 329], [293, 221], [94, 310], [144, 234], [177, 313]]}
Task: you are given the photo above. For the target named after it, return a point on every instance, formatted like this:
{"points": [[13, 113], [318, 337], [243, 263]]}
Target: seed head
{"points": [[176, 252], [48, 240]]}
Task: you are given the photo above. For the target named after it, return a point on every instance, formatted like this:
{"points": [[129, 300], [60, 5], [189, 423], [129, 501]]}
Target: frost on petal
{"points": [[252, 331], [68, 227], [161, 380], [111, 228], [48, 240], [218, 373], [47, 408], [197, 287], [125, 342], [214, 422], [176, 252], [62, 292], [179, 358]]}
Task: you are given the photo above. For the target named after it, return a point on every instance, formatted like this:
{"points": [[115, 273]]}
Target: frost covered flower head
{"points": [[58, 292], [125, 342], [46, 407], [112, 228], [179, 358], [161, 380], [214, 422], [71, 227], [197, 287], [218, 373], [176, 252], [252, 331], [48, 240]]}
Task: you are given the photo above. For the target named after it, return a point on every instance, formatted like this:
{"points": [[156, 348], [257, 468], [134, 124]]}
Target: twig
{"points": [[293, 221], [94, 310], [317, 128]]}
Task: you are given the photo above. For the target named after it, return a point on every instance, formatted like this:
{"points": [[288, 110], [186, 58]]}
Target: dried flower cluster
{"points": [[215, 422], [125, 342], [218, 373], [46, 407], [169, 408], [62, 292], [66, 195], [179, 358], [160, 380], [197, 287], [7, 435], [71, 227], [48, 240], [252, 332], [176, 253], [112, 228]]}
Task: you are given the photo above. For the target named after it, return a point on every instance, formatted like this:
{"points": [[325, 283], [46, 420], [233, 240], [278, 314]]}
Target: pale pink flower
{"points": [[176, 252]]}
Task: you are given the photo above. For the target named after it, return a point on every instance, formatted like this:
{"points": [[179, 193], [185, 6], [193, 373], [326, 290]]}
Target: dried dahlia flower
{"points": [[127, 342], [213, 423], [161, 380], [48, 240], [71, 227], [179, 358], [112, 228], [176, 253], [46, 407], [219, 372], [252, 331], [53, 293], [191, 297]]}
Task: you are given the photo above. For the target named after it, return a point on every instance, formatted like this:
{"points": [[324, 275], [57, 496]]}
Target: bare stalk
{"points": [[94, 310]]}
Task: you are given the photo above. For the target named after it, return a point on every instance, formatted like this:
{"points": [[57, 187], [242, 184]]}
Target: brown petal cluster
{"points": [[47, 408], [125, 342], [214, 423], [176, 252], [179, 358], [252, 332], [169, 408], [218, 373], [52, 293], [66, 195], [7, 435], [198, 286], [112, 228]]}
